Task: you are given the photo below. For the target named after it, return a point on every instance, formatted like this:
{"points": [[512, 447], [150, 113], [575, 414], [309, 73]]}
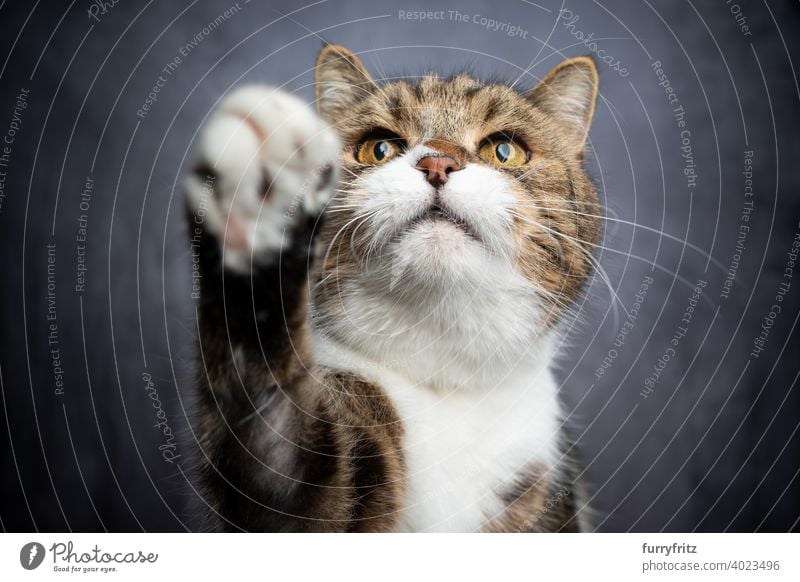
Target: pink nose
{"points": [[437, 169]]}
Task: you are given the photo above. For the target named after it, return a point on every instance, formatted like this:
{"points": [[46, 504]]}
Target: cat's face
{"points": [[450, 186]]}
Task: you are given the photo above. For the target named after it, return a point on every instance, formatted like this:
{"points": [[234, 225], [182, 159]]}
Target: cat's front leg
{"points": [[267, 168]]}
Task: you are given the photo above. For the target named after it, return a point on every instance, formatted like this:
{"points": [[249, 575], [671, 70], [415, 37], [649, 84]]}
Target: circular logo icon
{"points": [[31, 555]]}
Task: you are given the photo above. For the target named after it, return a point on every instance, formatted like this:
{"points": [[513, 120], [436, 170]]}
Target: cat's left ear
{"points": [[568, 94], [341, 80]]}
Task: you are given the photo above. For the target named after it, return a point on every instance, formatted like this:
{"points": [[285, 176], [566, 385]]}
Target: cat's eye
{"points": [[377, 150], [503, 152]]}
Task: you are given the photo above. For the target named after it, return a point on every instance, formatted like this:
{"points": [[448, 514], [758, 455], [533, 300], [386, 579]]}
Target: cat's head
{"points": [[450, 186]]}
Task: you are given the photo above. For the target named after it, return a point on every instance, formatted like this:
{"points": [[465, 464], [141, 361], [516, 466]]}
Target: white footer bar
{"points": [[387, 557]]}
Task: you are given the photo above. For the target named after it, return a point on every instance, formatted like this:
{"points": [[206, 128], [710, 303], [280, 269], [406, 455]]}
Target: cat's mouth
{"points": [[438, 214]]}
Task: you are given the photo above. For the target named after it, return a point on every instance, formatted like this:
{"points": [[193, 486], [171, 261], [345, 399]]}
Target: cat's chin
{"points": [[436, 252], [439, 223], [442, 234]]}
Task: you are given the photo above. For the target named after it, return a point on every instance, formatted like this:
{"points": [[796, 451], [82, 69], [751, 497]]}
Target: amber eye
{"points": [[376, 151], [503, 153]]}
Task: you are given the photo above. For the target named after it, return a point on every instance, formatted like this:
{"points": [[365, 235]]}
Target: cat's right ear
{"points": [[341, 80]]}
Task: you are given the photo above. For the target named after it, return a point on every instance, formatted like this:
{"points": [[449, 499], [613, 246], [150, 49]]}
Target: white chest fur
{"points": [[463, 448]]}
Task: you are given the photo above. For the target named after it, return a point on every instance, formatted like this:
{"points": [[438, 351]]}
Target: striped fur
{"points": [[363, 367]]}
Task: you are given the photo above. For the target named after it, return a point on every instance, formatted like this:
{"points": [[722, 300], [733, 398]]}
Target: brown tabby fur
{"points": [[289, 446]]}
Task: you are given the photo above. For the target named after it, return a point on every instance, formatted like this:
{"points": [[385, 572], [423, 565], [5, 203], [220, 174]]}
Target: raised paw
{"points": [[266, 160]]}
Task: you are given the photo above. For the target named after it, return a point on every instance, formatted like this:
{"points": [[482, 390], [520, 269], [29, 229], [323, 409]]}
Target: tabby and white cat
{"points": [[382, 287]]}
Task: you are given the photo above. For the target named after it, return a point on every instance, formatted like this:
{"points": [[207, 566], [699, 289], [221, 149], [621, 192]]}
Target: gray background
{"points": [[714, 447]]}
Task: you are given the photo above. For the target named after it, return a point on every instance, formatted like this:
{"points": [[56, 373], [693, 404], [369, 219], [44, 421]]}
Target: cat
{"points": [[383, 285]]}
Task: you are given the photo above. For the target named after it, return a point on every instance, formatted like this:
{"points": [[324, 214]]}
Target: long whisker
{"points": [[349, 171], [645, 260], [595, 264], [359, 217], [694, 247]]}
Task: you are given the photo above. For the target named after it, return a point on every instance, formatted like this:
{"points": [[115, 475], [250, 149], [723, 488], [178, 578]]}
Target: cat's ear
{"points": [[341, 80], [568, 94]]}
